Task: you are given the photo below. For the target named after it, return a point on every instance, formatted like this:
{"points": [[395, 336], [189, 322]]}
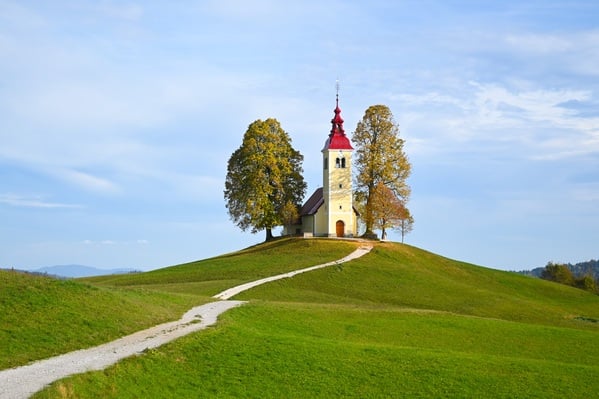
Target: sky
{"points": [[117, 120]]}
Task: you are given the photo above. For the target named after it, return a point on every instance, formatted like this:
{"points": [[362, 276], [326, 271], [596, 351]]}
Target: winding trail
{"points": [[231, 292], [24, 381]]}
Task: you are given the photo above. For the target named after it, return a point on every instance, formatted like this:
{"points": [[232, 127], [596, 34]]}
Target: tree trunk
{"points": [[269, 234], [368, 220]]}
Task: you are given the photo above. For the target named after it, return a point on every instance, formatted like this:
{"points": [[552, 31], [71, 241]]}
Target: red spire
{"points": [[337, 139]]}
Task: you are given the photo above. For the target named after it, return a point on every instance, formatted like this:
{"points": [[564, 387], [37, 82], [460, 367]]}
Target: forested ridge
{"points": [[580, 269]]}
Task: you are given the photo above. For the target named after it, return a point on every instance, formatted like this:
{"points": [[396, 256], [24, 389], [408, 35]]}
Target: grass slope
{"points": [[399, 322], [274, 350], [42, 316], [211, 276], [405, 276]]}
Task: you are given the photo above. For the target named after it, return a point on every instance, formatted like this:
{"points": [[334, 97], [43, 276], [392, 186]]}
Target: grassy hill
{"points": [[41, 316], [399, 322]]}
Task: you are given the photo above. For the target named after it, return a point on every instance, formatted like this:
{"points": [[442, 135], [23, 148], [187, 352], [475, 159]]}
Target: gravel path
{"points": [[231, 292], [24, 381]]}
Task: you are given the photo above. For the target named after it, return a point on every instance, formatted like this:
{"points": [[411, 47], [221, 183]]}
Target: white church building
{"points": [[329, 212]]}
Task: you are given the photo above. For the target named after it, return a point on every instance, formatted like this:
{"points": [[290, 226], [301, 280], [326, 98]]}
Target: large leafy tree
{"points": [[380, 158], [264, 183]]}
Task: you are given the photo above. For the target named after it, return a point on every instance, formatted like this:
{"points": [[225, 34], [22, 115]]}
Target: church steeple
{"points": [[337, 139], [339, 217], [329, 212]]}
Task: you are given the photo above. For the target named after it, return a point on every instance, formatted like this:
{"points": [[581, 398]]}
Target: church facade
{"points": [[329, 211]]}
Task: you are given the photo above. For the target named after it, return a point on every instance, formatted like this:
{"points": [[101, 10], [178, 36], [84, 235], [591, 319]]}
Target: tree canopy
{"points": [[379, 158], [264, 186], [388, 211], [562, 273]]}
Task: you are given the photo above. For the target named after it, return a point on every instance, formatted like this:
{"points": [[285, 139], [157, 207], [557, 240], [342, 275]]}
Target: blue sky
{"points": [[117, 120]]}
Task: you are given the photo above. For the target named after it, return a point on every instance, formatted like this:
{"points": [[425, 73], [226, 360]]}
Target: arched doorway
{"points": [[340, 228]]}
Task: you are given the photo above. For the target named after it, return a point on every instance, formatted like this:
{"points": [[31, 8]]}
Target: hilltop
{"points": [[400, 321], [76, 271]]}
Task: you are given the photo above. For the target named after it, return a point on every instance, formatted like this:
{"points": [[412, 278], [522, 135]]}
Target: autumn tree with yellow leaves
{"points": [[379, 159], [389, 212]]}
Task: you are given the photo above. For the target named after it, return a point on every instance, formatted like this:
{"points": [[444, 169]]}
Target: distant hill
{"points": [[578, 270], [74, 271]]}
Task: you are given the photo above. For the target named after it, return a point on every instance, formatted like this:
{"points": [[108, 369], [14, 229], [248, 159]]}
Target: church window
{"points": [[337, 163], [340, 185], [340, 206], [343, 162], [326, 163]]}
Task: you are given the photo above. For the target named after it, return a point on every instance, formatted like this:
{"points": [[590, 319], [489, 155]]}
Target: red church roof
{"points": [[337, 139]]}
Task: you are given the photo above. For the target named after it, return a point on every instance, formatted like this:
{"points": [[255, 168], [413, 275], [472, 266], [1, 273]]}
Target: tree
{"points": [[264, 178], [560, 273], [388, 211], [289, 214], [586, 282], [379, 158], [406, 224]]}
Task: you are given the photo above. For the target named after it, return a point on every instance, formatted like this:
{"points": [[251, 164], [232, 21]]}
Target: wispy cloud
{"points": [[547, 123], [576, 51], [33, 202], [87, 181], [115, 242]]}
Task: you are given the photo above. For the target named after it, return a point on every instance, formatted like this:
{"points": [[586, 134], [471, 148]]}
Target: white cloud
{"points": [[32, 202], [87, 181], [534, 43], [576, 51], [537, 120]]}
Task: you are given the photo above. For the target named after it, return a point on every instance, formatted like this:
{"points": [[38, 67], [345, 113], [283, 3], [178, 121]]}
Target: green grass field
{"points": [[283, 350], [399, 322], [211, 276], [41, 316]]}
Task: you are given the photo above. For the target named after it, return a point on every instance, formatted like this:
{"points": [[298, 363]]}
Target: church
{"points": [[329, 212]]}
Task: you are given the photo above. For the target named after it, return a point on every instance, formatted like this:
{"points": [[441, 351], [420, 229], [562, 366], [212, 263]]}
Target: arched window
{"points": [[343, 162], [337, 163]]}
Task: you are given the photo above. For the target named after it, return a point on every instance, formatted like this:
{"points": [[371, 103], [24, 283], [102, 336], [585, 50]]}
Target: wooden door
{"points": [[340, 227]]}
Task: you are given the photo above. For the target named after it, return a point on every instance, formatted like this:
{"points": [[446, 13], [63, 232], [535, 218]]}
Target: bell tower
{"points": [[337, 180]]}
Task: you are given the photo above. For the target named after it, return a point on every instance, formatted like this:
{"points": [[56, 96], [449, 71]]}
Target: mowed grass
{"points": [[401, 275], [399, 322], [41, 316], [283, 350], [211, 276]]}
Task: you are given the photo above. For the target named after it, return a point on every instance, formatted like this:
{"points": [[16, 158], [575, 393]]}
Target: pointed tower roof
{"points": [[337, 139]]}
